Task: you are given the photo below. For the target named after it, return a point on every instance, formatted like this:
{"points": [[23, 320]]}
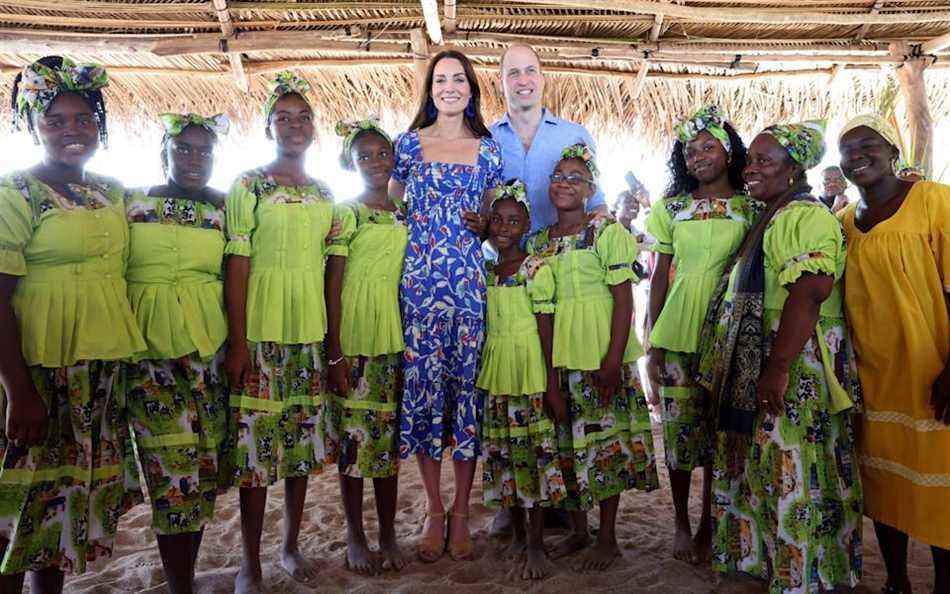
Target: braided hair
{"points": [[681, 182], [94, 98]]}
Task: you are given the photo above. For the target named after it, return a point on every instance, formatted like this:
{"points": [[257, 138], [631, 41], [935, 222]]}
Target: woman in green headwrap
{"points": [[177, 398], [776, 357]]}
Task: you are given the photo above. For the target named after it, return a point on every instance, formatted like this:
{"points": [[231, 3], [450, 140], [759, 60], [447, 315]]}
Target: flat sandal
{"points": [[430, 550]]}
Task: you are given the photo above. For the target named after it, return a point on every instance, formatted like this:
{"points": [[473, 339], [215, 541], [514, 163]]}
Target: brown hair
{"points": [[427, 114]]}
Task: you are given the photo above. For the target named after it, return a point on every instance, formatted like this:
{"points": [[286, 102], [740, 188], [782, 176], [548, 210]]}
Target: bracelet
{"points": [[333, 362]]}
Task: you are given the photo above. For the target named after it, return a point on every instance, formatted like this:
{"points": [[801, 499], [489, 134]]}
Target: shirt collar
{"points": [[546, 116]]}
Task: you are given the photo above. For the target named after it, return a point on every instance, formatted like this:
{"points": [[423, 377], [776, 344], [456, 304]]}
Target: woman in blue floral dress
{"points": [[445, 164]]}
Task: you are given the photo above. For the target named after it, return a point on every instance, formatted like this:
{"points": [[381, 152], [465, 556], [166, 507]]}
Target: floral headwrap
{"points": [[175, 123], [285, 82], [41, 84], [805, 141], [350, 130], [584, 153], [512, 189], [711, 119]]}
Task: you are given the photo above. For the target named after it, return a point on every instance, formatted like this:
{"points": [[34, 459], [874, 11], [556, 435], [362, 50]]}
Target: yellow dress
{"points": [[895, 283]]}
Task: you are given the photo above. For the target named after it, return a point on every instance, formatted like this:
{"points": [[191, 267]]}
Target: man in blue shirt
{"points": [[531, 137]]}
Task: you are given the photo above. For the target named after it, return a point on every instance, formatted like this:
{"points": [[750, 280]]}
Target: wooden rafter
{"points": [[936, 44], [449, 12], [430, 12], [227, 33], [875, 8]]}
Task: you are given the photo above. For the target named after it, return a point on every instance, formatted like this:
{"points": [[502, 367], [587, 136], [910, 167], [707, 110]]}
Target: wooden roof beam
{"points": [[876, 8], [430, 11], [227, 33], [449, 15], [936, 44]]}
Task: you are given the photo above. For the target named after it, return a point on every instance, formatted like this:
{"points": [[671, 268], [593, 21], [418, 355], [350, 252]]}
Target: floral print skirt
{"points": [[283, 422], [368, 427], [178, 409], [686, 430], [60, 502], [519, 446], [605, 451]]}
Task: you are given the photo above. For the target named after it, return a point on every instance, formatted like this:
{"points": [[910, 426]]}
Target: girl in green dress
{"points": [[68, 472], [364, 338], [776, 356], [606, 446], [278, 218], [519, 439], [176, 392], [696, 228]]}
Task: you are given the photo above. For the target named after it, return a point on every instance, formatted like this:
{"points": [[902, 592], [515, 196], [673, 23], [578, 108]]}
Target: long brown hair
{"points": [[427, 114]]}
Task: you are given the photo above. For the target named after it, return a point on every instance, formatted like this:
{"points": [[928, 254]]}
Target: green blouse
{"points": [[71, 253], [374, 244], [174, 275], [585, 266], [701, 235], [512, 359], [283, 230]]}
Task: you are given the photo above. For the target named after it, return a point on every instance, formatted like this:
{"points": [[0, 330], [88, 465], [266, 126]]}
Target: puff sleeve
{"points": [[541, 289], [660, 229], [16, 229], [240, 205], [340, 245], [617, 250], [804, 238]]}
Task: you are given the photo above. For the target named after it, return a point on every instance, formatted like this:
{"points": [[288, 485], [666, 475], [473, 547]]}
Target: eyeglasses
{"points": [[183, 150], [574, 180]]}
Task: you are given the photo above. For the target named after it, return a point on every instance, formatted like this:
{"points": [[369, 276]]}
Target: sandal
{"points": [[430, 550], [461, 551]]}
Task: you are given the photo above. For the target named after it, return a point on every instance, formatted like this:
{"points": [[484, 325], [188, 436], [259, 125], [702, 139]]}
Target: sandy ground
{"points": [[645, 530]]}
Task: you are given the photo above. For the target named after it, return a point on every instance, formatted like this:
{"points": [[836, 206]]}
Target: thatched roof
{"points": [[616, 65]]}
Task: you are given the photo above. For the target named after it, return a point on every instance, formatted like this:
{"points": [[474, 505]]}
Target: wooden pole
{"points": [[449, 12], [430, 12], [936, 44], [910, 76], [227, 32], [420, 56]]}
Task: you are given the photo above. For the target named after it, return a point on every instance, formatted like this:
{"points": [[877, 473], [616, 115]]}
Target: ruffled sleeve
{"points": [[803, 238], [617, 250], [660, 229], [405, 155], [340, 245], [16, 228], [938, 209], [541, 289], [240, 204]]}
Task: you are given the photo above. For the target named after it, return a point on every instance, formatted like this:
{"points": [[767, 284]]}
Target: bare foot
{"points": [[702, 543], [683, 545], [248, 582], [359, 559], [536, 565], [598, 557], [516, 549], [392, 555], [569, 545], [297, 566], [501, 524]]}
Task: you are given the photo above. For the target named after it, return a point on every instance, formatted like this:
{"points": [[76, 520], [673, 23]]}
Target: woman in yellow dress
{"points": [[897, 277]]}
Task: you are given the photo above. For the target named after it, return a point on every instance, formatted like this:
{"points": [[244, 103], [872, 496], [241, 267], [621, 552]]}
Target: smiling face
{"points": [[291, 125], [190, 157], [508, 223], [866, 158], [450, 90], [768, 169], [833, 182], [68, 130], [373, 158], [521, 78], [706, 158], [572, 185]]}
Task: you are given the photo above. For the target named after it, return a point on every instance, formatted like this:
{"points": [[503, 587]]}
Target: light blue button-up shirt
{"points": [[535, 166]]}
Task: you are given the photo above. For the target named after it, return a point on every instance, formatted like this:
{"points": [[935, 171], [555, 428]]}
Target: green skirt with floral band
{"points": [[686, 426], [605, 451], [178, 409], [283, 424], [519, 444], [60, 502], [369, 418]]}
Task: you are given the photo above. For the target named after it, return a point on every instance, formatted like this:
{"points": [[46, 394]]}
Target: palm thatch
{"points": [[621, 67]]}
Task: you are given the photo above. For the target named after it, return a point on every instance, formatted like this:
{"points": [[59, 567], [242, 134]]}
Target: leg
{"points": [[577, 540], [683, 540], [460, 539], [519, 537], [941, 569], [386, 491], [432, 540], [250, 577], [195, 547], [702, 542], [893, 545], [602, 555], [358, 556], [501, 523], [47, 581], [299, 568], [10, 584], [536, 565], [178, 553]]}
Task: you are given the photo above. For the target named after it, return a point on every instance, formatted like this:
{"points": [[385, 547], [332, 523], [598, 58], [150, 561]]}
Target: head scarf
{"points": [[876, 123], [513, 189], [805, 141], [584, 153], [711, 119], [350, 130], [284, 83], [41, 84], [175, 123]]}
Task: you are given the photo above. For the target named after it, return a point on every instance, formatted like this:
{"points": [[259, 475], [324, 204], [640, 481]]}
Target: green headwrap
{"points": [[40, 85], [710, 119], [284, 83], [350, 130], [584, 153], [513, 189], [805, 141], [175, 123]]}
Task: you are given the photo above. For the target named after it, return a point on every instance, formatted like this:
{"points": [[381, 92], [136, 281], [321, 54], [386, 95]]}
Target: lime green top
{"points": [[283, 230], [512, 359], [802, 237], [585, 266], [71, 253], [373, 242], [174, 275], [701, 235]]}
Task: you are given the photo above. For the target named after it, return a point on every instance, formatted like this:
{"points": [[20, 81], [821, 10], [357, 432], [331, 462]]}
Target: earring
{"points": [[470, 109], [791, 181], [431, 111]]}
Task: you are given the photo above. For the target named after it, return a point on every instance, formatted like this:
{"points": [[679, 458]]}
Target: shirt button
{"points": [[104, 256], [106, 234], [108, 275]]}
